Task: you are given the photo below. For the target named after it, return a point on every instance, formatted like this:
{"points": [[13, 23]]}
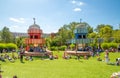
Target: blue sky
{"points": [[18, 15]]}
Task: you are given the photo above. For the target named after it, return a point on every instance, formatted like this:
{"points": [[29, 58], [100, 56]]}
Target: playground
{"points": [[35, 60]]}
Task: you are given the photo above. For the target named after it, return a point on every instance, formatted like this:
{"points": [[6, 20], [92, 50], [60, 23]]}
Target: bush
{"points": [[11, 46], [104, 46], [62, 48], [72, 46], [54, 48], [93, 45], [113, 45], [109, 45]]}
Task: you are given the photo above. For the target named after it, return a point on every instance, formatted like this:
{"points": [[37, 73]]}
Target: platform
{"points": [[37, 53], [77, 53]]}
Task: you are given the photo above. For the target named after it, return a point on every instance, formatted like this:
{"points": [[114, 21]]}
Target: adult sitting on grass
{"points": [[56, 57], [115, 75], [51, 57], [2, 58], [13, 56], [11, 60], [98, 58], [6, 56], [69, 57], [118, 61]]}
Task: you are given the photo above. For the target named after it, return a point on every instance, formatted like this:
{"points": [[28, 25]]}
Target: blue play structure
{"points": [[81, 31], [80, 39]]}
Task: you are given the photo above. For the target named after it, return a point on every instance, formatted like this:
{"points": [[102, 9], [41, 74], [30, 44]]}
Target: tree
{"points": [[20, 42], [116, 36], [102, 26], [92, 35], [106, 33], [66, 32], [6, 35]]}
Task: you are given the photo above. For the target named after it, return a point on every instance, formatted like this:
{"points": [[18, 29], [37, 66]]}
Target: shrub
{"points": [[53, 48], [104, 46], [11, 46], [113, 45], [93, 45], [109, 45], [72, 46], [62, 48]]}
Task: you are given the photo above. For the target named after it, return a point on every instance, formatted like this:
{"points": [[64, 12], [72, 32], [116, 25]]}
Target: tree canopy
{"points": [[6, 35]]}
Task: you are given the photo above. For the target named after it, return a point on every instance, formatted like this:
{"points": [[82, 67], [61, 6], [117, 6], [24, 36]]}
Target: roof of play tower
{"points": [[81, 25], [34, 26]]}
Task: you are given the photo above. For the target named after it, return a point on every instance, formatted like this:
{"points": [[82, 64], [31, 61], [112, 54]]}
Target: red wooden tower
{"points": [[35, 36]]}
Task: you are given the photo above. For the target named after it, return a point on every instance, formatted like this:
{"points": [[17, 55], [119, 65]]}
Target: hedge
{"points": [[108, 45], [8, 46], [61, 48]]}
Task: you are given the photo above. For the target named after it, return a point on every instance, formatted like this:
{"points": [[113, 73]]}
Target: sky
{"points": [[50, 15]]}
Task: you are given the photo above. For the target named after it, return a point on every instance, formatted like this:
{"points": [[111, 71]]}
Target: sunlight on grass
{"points": [[60, 68]]}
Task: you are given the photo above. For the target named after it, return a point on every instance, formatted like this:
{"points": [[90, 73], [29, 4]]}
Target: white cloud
{"points": [[77, 9], [22, 19], [77, 3], [81, 3], [73, 2], [18, 20]]}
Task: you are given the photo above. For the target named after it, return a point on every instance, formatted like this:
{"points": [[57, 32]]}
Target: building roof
{"points": [[81, 25], [81, 28], [34, 26]]}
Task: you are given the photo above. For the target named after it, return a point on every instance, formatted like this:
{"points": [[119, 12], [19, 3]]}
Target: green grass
{"points": [[61, 68]]}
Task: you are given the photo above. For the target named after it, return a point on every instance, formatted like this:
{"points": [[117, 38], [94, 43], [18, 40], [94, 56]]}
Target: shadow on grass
{"points": [[22, 62], [80, 61], [111, 63]]}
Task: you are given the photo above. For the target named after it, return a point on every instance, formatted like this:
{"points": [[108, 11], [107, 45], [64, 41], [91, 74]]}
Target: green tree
{"points": [[20, 42], [116, 36], [66, 32], [106, 33], [92, 35], [47, 42], [6, 35], [98, 28]]}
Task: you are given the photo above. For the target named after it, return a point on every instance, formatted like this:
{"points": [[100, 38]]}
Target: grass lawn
{"points": [[61, 68]]}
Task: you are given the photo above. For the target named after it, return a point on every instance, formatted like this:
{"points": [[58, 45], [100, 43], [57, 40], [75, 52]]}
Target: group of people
{"points": [[4, 57], [21, 54], [37, 49], [107, 59]]}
